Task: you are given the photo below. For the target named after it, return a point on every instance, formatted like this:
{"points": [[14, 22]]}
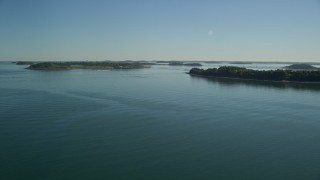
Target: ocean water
{"points": [[155, 123]]}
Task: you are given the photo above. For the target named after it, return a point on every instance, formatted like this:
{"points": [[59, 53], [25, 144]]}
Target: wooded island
{"points": [[98, 65], [271, 75]]}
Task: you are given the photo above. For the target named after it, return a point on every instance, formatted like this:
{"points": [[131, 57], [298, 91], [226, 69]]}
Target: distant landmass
{"points": [[99, 65], [271, 75], [240, 62], [184, 64], [302, 67]]}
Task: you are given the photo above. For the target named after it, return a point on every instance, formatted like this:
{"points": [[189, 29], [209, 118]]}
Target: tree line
{"points": [[244, 73]]}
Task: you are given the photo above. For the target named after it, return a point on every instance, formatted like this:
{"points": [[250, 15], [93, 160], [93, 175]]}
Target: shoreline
{"points": [[234, 78]]}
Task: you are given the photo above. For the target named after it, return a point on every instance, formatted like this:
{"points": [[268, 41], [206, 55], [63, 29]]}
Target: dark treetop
{"points": [[271, 75]]}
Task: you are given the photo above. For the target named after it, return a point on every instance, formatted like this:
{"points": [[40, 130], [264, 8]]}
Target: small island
{"points": [[177, 63], [301, 67], [267, 75], [97, 65], [192, 64]]}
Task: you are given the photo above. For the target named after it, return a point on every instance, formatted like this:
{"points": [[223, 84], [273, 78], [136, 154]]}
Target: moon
{"points": [[210, 33]]}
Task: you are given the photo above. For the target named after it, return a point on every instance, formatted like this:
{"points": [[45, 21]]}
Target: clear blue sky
{"points": [[259, 30]]}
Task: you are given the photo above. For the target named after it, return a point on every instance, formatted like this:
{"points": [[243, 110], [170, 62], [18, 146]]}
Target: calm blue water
{"points": [[156, 123]]}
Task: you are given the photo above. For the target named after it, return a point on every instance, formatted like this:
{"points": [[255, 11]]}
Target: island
{"points": [[177, 63], [192, 64], [301, 67], [268, 75], [96, 65]]}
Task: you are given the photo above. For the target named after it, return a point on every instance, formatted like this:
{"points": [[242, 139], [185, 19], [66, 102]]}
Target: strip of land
{"points": [[270, 75], [98, 65]]}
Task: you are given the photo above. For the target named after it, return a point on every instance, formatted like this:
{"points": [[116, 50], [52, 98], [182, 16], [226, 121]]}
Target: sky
{"points": [[211, 30]]}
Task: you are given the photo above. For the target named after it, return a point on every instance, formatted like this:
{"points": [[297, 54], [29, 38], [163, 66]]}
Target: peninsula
{"points": [[270, 75], [97, 65]]}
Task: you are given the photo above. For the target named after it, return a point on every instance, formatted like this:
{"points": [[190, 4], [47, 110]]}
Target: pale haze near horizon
{"points": [[275, 30]]}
